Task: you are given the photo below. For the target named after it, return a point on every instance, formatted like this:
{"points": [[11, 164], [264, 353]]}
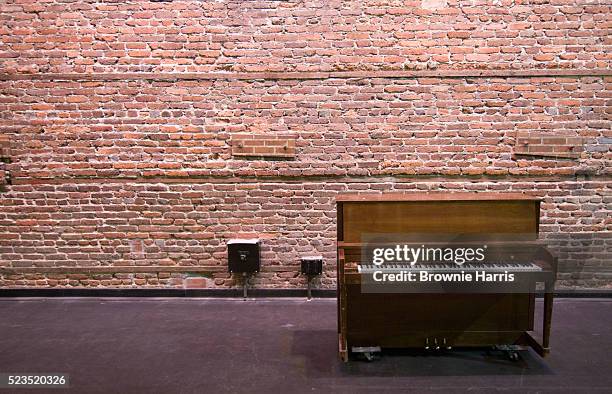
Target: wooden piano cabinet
{"points": [[465, 319], [419, 320]]}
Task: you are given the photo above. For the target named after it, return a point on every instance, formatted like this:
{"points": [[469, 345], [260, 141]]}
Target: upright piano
{"points": [[490, 315]]}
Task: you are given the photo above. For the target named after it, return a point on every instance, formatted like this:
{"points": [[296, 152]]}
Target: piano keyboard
{"points": [[445, 267]]}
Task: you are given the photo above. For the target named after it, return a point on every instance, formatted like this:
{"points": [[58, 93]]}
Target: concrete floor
{"points": [[172, 345]]}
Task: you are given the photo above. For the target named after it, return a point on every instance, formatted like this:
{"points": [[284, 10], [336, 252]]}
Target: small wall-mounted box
{"points": [[312, 265], [243, 255]]}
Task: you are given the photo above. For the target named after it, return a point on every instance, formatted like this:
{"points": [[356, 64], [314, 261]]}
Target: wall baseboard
{"points": [[126, 292], [230, 293]]}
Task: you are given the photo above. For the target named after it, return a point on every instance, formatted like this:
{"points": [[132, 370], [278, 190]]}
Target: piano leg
{"points": [[342, 341], [548, 307], [527, 339], [343, 349]]}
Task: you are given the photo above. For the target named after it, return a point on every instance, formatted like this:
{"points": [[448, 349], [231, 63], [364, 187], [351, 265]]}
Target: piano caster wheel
{"points": [[368, 352], [513, 356], [369, 357]]}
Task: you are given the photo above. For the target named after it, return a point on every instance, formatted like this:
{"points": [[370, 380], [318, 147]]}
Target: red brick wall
{"points": [[319, 35], [134, 179]]}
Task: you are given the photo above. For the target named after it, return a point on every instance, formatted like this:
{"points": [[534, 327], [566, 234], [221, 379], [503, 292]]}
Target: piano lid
{"points": [[469, 215], [434, 196]]}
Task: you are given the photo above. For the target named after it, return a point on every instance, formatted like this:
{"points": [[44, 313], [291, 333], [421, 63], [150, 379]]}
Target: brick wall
{"points": [[295, 35], [125, 122]]}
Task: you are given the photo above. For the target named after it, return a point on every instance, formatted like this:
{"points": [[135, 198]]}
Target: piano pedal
{"points": [[445, 345], [436, 345], [369, 353]]}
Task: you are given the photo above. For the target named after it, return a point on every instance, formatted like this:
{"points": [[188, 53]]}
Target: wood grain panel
{"points": [[440, 217]]}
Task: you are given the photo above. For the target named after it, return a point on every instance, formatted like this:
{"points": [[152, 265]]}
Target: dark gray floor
{"points": [[178, 345]]}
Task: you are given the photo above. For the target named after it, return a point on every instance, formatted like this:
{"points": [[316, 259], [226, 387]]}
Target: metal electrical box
{"points": [[312, 265], [243, 255]]}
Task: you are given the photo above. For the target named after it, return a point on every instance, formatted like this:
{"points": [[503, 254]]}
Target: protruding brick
{"points": [[545, 144], [263, 145]]}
